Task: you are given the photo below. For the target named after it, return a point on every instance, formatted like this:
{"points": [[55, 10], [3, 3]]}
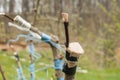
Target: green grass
{"points": [[9, 66], [104, 74]]}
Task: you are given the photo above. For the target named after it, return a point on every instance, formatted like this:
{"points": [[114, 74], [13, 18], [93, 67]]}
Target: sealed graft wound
{"points": [[72, 54], [75, 49]]}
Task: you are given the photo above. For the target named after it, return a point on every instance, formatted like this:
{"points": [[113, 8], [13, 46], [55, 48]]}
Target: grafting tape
{"points": [[69, 71], [19, 20], [20, 74], [32, 68], [60, 78], [58, 63], [31, 48], [70, 58], [45, 37]]}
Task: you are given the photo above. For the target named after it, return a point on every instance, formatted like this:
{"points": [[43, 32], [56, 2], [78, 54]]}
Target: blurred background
{"points": [[93, 23]]}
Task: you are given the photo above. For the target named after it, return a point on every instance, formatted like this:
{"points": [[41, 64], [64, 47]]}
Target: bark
{"points": [[11, 6], [69, 77], [25, 6], [36, 11]]}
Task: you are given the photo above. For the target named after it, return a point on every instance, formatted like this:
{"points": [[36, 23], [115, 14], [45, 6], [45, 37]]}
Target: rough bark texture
{"points": [[69, 77]]}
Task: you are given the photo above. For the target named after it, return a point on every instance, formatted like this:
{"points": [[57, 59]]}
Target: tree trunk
{"points": [[36, 11], [25, 6], [79, 6], [11, 6]]}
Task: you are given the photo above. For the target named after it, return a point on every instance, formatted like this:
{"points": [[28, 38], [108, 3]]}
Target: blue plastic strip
{"points": [[58, 64], [32, 77], [32, 51], [45, 37], [32, 67], [60, 78], [20, 74], [31, 48]]}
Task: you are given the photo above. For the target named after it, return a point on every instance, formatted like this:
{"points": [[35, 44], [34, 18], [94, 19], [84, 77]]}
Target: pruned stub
{"points": [[75, 49]]}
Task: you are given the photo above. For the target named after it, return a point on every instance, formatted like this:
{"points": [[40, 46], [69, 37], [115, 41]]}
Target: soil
{"points": [[19, 46], [5, 47]]}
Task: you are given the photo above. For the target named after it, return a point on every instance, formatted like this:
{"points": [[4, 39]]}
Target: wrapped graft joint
{"points": [[19, 20], [75, 49], [58, 63], [45, 37], [35, 35], [17, 26], [69, 71], [50, 40]]}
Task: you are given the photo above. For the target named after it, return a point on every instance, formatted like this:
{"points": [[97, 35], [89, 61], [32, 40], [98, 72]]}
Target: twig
{"points": [[2, 72], [35, 11]]}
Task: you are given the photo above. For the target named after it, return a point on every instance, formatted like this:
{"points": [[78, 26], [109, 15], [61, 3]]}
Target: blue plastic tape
{"points": [[32, 69], [31, 48], [60, 78], [58, 64], [45, 38]]}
